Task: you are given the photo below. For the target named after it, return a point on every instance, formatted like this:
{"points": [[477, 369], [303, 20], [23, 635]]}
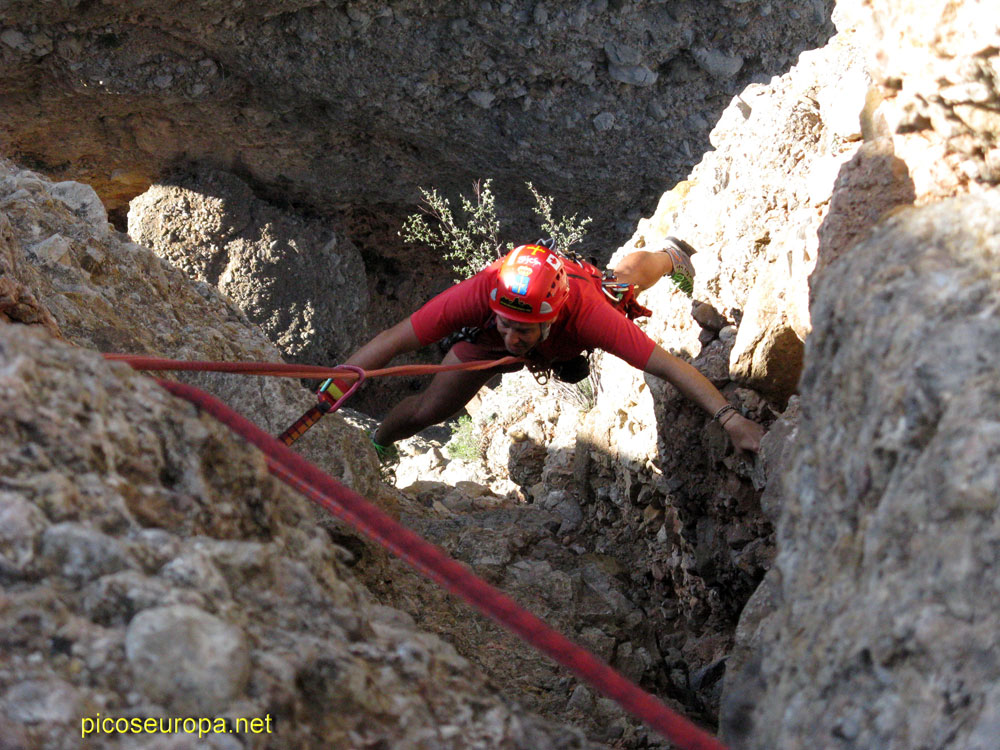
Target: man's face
{"points": [[518, 338]]}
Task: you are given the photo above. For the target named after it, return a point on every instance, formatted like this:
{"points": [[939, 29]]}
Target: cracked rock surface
{"points": [[333, 105]]}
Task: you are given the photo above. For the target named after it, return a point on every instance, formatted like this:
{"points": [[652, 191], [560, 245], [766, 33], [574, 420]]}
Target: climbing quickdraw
{"points": [[327, 404]]}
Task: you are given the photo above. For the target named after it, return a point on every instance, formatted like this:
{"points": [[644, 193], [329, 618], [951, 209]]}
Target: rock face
{"points": [[524, 551], [339, 105], [178, 651], [886, 518], [151, 567], [882, 614], [800, 176], [645, 476], [940, 88], [294, 278], [753, 209], [73, 274]]}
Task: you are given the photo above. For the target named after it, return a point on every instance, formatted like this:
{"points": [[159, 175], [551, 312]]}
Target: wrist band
{"points": [[725, 409]]}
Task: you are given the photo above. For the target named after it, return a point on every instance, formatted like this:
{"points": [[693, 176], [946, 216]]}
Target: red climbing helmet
{"points": [[531, 285]]}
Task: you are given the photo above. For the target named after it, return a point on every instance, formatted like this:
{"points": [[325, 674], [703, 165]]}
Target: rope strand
{"points": [[285, 370], [430, 560]]}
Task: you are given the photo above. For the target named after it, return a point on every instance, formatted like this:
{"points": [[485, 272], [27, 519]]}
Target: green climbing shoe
{"points": [[387, 454], [388, 458], [680, 253]]}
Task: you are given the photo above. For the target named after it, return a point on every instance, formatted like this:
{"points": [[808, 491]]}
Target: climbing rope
{"points": [[284, 370], [326, 404], [430, 560]]}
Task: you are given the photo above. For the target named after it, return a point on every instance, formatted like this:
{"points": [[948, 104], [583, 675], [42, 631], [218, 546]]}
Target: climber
{"points": [[537, 304]]}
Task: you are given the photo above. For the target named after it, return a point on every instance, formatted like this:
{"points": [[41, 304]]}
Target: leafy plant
{"points": [[566, 231], [464, 443], [471, 240]]}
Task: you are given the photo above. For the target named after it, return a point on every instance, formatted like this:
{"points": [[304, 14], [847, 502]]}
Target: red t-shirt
{"points": [[587, 321]]}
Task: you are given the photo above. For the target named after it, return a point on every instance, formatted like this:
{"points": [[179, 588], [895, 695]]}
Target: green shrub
{"points": [[471, 240], [464, 443], [566, 230]]}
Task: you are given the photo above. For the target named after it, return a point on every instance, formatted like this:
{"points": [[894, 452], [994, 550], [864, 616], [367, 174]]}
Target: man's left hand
{"points": [[745, 433]]}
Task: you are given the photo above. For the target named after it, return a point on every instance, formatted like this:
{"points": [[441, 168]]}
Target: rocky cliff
{"points": [[150, 565], [877, 617], [846, 295], [346, 107]]}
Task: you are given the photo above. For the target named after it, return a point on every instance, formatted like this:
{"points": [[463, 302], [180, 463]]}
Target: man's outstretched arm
{"points": [[447, 393], [385, 346], [744, 433]]}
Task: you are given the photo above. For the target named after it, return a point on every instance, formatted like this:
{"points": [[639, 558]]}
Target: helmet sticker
{"points": [[553, 260], [519, 284], [516, 304], [524, 270]]}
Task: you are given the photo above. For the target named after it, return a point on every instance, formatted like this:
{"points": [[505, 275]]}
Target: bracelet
{"points": [[730, 418], [724, 410]]}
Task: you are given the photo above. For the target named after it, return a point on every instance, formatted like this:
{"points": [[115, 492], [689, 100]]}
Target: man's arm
{"points": [[383, 348], [744, 433]]}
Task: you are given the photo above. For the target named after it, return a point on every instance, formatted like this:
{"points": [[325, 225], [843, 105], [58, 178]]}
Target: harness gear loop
{"points": [[466, 333], [622, 296], [325, 405], [542, 373]]}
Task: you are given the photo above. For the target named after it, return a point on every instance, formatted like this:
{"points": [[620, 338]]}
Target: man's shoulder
{"points": [[585, 291], [478, 280]]}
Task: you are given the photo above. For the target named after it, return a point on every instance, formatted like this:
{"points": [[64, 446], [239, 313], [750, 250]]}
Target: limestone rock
{"points": [[113, 295], [767, 352], [81, 554], [187, 660], [937, 65], [873, 183], [84, 202], [235, 604], [297, 280], [19, 305], [517, 547], [21, 526], [779, 149], [348, 108], [886, 529], [38, 701], [716, 63], [634, 75]]}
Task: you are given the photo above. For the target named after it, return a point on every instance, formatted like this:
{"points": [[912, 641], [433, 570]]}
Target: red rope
{"points": [[434, 563], [284, 370]]}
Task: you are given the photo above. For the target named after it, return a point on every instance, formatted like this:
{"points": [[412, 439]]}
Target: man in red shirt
{"points": [[541, 306]]}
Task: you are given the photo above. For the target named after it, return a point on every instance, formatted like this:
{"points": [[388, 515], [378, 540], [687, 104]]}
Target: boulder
{"points": [[295, 278]]}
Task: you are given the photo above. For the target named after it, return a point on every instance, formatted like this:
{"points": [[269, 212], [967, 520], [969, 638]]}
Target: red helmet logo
{"points": [[535, 296]]}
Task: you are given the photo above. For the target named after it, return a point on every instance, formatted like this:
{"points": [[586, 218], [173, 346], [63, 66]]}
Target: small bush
{"points": [[566, 230], [464, 443], [471, 241]]}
